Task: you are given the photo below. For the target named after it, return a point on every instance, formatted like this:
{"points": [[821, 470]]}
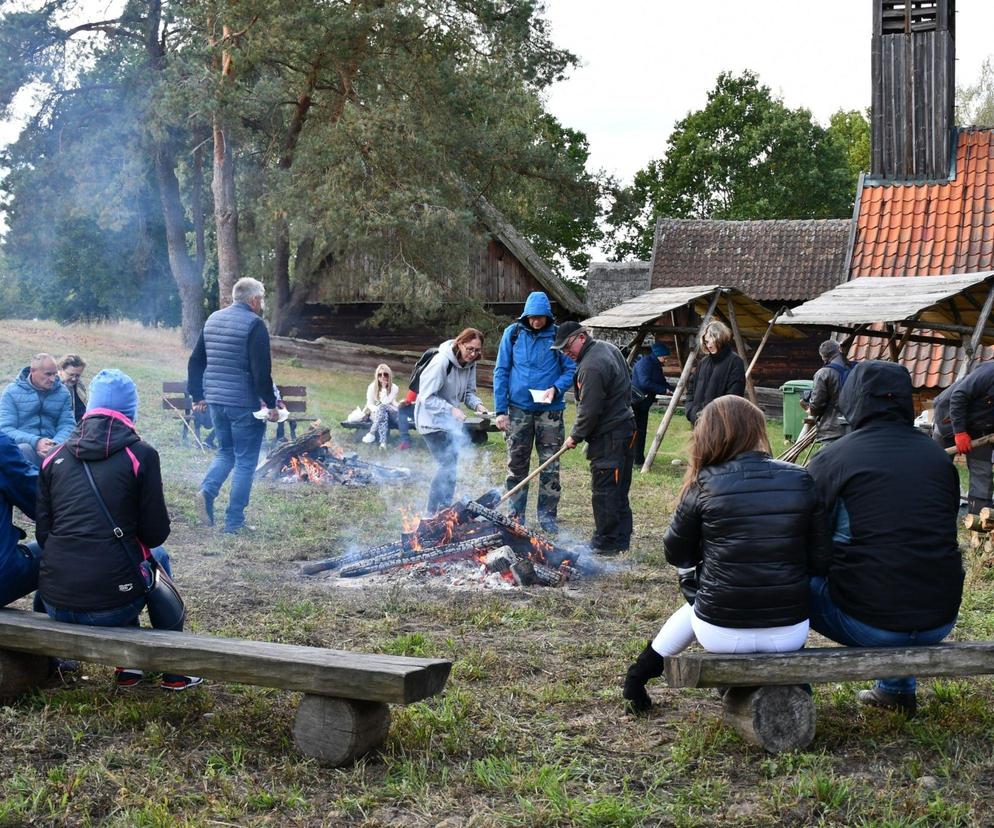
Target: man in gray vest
{"points": [[230, 370]]}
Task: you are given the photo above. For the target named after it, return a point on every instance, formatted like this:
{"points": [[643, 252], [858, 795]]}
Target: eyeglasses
{"points": [[471, 350], [383, 375]]}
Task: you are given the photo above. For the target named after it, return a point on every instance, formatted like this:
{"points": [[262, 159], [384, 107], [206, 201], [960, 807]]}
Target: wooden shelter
{"points": [[657, 312], [952, 309]]}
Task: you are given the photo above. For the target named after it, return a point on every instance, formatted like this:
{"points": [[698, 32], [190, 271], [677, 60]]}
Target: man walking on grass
{"points": [[230, 370]]}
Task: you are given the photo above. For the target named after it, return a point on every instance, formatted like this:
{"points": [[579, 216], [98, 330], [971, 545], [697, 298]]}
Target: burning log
{"points": [[315, 567], [452, 551], [279, 457]]}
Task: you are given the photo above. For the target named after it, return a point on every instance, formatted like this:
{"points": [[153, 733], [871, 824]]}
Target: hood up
{"points": [[877, 390], [537, 304], [100, 434]]}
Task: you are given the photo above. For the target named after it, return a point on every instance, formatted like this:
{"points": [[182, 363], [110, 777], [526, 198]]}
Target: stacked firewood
{"points": [[981, 528]]}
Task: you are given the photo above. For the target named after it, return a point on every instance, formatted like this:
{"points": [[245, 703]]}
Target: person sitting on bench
{"points": [[91, 574], [747, 534], [18, 487], [895, 578], [381, 405]]}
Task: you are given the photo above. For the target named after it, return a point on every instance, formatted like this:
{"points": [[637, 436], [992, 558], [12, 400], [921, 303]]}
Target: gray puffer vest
{"points": [[228, 378]]}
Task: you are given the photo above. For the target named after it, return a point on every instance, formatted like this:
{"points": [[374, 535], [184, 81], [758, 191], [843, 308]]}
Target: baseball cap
{"points": [[566, 330]]}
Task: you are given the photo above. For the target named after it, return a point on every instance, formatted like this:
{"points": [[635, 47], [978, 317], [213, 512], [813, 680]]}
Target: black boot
{"points": [[648, 665]]}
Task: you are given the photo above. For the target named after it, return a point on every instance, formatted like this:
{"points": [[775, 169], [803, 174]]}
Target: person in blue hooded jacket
{"points": [[648, 380], [36, 410], [530, 380]]}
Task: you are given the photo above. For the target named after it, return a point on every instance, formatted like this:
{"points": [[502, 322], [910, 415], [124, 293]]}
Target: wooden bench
{"points": [[176, 399], [477, 429], [767, 707], [342, 715]]}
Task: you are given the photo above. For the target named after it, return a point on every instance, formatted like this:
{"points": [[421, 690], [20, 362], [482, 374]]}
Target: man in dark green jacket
{"points": [[603, 388]]}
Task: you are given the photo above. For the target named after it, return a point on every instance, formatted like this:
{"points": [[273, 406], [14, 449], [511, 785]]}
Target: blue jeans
{"points": [[124, 616], [833, 623], [239, 437], [445, 451], [405, 421], [20, 573]]}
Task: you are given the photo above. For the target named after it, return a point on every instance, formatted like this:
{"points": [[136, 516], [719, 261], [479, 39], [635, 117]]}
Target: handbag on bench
{"points": [[165, 606]]}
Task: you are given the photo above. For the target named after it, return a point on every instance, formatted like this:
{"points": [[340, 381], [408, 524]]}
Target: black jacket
{"points": [[84, 567], [717, 375], [967, 405], [603, 388], [891, 495], [756, 529], [824, 402]]}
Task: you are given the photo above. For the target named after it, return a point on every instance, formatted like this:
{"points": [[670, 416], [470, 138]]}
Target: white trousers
{"points": [[683, 627]]}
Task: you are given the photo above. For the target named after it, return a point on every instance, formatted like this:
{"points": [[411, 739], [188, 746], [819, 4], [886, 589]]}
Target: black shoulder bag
{"points": [[165, 606]]}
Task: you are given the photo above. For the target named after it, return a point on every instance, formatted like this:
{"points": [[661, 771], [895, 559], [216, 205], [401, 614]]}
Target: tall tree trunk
{"points": [[188, 278], [225, 213]]}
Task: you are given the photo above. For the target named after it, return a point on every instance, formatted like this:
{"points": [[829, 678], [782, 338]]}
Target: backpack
{"points": [[843, 371], [419, 367]]}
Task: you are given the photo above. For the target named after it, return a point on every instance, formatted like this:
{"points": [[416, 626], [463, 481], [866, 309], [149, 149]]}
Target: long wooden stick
{"points": [[986, 440], [531, 476], [203, 448]]}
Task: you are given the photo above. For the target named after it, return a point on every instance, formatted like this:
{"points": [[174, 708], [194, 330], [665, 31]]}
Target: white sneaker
{"points": [[369, 437]]}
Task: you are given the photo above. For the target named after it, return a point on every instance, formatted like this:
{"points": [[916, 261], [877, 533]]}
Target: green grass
{"points": [[529, 731]]}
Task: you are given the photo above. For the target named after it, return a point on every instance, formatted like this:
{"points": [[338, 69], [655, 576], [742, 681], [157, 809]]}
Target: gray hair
{"points": [[246, 289], [39, 359], [828, 349]]}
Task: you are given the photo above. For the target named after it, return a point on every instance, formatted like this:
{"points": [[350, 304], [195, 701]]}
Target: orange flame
{"points": [[334, 449], [306, 469]]}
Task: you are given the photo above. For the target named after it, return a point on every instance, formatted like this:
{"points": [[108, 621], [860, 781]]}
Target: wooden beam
{"points": [[829, 664], [313, 670], [633, 346], [971, 348], [681, 386], [762, 342], [740, 347]]}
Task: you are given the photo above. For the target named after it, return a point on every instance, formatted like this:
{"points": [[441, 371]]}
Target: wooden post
{"points": [[740, 346], [680, 387], [20, 672], [337, 731], [775, 718], [676, 340], [633, 348], [978, 331], [762, 342]]}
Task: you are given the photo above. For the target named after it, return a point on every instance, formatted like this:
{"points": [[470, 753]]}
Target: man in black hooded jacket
{"points": [[891, 495]]}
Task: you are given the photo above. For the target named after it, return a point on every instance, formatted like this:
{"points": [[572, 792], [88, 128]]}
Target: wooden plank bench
{"points": [[477, 429], [342, 714], [176, 399], [767, 707]]}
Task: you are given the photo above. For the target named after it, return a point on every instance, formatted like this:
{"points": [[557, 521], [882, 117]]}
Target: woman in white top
{"points": [[381, 404]]}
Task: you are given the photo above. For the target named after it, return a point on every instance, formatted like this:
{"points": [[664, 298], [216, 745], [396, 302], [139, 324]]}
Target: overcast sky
{"points": [[647, 63]]}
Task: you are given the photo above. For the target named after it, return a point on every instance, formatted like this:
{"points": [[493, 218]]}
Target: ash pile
{"points": [[315, 458], [499, 550]]}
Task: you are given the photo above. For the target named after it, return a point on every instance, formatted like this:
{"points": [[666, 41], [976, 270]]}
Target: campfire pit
{"points": [[315, 458], [464, 532]]}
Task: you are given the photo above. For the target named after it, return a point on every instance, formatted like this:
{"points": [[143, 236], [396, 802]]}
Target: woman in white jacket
{"points": [[381, 403], [446, 382]]}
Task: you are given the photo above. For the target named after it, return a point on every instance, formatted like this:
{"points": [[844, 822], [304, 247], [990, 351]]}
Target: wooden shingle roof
{"points": [[772, 261], [926, 229]]}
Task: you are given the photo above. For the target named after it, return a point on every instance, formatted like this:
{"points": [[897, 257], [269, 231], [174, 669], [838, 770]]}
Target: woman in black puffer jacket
{"points": [[747, 534]]}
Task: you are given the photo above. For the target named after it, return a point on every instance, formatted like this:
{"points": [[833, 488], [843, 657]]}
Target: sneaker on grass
{"points": [[369, 437], [176, 684], [127, 677]]}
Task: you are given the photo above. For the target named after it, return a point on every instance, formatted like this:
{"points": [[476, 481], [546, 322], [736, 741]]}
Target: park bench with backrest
{"points": [[342, 714], [176, 399], [766, 704]]}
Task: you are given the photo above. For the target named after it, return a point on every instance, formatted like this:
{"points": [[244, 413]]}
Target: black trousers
{"points": [[611, 456], [641, 412]]}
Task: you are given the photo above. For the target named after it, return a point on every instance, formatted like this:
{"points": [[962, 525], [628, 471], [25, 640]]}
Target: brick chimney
{"points": [[913, 74]]}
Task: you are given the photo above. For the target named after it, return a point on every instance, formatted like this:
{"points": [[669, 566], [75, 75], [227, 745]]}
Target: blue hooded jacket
{"points": [[27, 414], [18, 487], [530, 363]]}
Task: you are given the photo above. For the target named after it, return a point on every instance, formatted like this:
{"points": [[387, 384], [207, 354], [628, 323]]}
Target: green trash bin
{"points": [[793, 414]]}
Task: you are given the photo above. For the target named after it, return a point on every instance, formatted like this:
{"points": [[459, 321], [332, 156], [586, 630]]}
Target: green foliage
{"points": [[975, 101], [850, 130], [745, 155]]}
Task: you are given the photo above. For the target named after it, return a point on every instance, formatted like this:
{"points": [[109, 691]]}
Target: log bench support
{"points": [[765, 703], [344, 710]]}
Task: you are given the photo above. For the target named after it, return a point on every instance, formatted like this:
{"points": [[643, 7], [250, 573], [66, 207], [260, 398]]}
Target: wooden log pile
{"points": [[981, 529]]}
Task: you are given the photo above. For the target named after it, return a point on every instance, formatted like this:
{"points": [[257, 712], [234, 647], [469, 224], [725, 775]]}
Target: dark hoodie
{"points": [[84, 567], [891, 495], [717, 375]]}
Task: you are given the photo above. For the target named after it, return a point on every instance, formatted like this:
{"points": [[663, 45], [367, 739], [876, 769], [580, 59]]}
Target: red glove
{"points": [[963, 442]]}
